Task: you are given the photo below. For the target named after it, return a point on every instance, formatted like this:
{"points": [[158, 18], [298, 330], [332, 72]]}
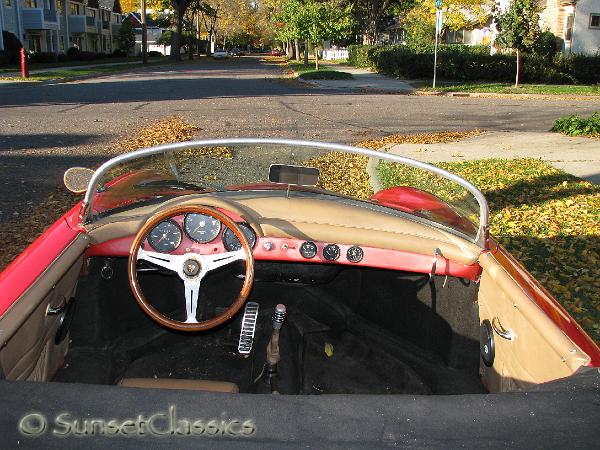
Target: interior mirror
{"points": [[76, 179], [296, 175]]}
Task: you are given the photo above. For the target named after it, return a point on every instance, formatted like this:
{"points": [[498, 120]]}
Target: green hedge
{"points": [[464, 63]]}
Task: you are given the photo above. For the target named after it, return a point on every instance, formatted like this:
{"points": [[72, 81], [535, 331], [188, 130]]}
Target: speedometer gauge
{"points": [[165, 237], [201, 228], [232, 243]]}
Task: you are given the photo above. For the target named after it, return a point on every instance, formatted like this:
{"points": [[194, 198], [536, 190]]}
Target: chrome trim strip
{"points": [[480, 239]]}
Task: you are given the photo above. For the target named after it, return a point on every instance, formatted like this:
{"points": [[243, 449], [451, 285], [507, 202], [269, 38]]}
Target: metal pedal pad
{"points": [[248, 328]]}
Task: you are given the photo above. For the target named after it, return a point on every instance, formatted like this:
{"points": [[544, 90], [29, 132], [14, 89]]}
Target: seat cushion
{"points": [[174, 383]]}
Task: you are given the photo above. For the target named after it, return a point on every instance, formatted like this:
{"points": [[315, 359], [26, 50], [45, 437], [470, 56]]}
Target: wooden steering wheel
{"points": [[191, 268]]}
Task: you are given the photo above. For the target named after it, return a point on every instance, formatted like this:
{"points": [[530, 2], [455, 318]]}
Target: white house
{"points": [[576, 22]]}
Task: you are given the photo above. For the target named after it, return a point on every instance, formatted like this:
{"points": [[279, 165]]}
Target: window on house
{"points": [[91, 13], [30, 3], [34, 43], [8, 2], [74, 9], [569, 27], [61, 41], [595, 20]]}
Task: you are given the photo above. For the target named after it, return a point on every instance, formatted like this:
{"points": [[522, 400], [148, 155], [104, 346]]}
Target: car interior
{"points": [[343, 299]]}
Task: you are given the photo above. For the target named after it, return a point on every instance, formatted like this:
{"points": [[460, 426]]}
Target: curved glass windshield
{"points": [[391, 182]]}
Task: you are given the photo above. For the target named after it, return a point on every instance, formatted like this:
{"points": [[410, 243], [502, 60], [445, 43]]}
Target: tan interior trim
{"points": [[14, 317], [540, 351], [275, 215], [173, 383]]}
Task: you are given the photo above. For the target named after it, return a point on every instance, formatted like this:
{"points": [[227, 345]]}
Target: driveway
{"points": [[47, 128]]}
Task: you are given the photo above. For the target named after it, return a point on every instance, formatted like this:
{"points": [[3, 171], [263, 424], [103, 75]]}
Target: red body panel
{"points": [[554, 310], [421, 203], [36, 258]]}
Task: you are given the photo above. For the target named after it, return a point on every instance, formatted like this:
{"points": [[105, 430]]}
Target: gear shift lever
{"points": [[273, 356]]}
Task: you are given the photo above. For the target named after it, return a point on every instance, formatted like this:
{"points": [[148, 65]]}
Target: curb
{"points": [[515, 96]]}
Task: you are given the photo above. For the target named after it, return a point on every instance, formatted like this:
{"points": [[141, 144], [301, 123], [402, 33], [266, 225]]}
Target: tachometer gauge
{"points": [[201, 228], [165, 237], [232, 243]]}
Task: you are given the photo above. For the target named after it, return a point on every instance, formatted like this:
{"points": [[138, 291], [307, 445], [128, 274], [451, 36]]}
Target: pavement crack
{"points": [[325, 119], [138, 107], [81, 105]]}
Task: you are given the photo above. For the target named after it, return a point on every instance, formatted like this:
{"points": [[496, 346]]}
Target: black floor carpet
{"points": [[346, 365]]}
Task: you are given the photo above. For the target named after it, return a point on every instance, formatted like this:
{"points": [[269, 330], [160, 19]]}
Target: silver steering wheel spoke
{"points": [[192, 292], [166, 261], [212, 262]]}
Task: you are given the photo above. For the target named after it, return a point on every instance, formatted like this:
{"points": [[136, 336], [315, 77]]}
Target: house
{"points": [[55, 25], [155, 27], [575, 22]]}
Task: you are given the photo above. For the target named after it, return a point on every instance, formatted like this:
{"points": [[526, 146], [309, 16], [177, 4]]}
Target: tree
{"points": [[368, 14], [126, 36], [518, 28], [313, 21]]}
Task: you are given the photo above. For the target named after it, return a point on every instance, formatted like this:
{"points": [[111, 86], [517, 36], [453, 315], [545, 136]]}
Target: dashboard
{"points": [[203, 234]]}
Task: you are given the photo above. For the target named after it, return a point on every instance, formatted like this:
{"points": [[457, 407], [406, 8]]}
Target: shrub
{"points": [[545, 45], [73, 53], [464, 63], [586, 69], [43, 57], [154, 53], [12, 47], [4, 59], [576, 126], [118, 53]]}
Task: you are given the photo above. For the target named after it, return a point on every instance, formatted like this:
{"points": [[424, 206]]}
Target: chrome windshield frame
{"points": [[482, 233]]}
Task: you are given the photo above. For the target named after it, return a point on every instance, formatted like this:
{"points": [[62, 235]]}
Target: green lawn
{"points": [[80, 71], [107, 61], [509, 88], [324, 73]]}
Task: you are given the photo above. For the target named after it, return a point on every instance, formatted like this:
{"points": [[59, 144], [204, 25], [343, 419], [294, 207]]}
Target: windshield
{"points": [[400, 185]]}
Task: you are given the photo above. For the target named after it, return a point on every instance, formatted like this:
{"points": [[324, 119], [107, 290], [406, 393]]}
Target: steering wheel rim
{"points": [[203, 261]]}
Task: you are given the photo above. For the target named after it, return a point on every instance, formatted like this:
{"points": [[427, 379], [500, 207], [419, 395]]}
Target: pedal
{"points": [[248, 328]]}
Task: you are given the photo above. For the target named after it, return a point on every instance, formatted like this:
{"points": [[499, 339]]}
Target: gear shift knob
{"points": [[279, 316]]}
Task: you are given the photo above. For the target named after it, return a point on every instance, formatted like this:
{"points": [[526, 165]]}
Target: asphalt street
{"points": [[44, 129]]}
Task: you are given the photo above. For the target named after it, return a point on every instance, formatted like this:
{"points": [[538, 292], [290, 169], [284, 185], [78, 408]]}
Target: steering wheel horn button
{"points": [[191, 267]]}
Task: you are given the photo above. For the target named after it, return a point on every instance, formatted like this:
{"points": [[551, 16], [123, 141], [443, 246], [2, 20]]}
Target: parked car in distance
{"points": [[275, 52], [220, 54], [236, 52]]}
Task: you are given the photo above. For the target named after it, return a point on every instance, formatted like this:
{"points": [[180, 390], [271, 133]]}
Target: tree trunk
{"points": [[297, 46], [518, 68], [176, 39], [316, 58], [305, 53], [289, 49]]}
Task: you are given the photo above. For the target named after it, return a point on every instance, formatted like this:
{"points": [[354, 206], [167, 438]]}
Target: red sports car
{"points": [[278, 293]]}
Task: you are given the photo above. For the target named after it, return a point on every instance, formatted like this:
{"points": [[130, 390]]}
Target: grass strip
{"points": [[509, 88]]}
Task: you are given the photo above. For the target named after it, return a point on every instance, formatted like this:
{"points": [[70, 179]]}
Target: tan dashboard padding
{"points": [[540, 351], [324, 220], [27, 350]]}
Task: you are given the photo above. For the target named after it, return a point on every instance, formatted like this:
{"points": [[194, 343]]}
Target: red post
{"points": [[24, 68]]}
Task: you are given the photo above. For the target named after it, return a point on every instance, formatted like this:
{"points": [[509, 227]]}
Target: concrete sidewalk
{"points": [[579, 156], [363, 80]]}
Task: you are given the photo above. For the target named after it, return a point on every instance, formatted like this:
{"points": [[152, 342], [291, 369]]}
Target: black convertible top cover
{"points": [[562, 414]]}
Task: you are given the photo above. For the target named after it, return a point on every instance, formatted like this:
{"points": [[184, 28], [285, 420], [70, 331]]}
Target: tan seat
{"points": [[174, 383]]}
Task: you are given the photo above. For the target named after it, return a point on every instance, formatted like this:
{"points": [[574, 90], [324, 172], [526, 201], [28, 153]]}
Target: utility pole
{"points": [[144, 34], [438, 28]]}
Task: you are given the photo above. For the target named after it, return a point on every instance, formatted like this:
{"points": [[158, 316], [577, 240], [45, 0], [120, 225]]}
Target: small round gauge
{"points": [[331, 252], [165, 237], [308, 249], [232, 243], [201, 228], [355, 254]]}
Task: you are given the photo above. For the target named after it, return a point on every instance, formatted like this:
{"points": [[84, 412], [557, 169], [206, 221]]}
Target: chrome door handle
{"points": [[500, 331], [56, 310]]}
